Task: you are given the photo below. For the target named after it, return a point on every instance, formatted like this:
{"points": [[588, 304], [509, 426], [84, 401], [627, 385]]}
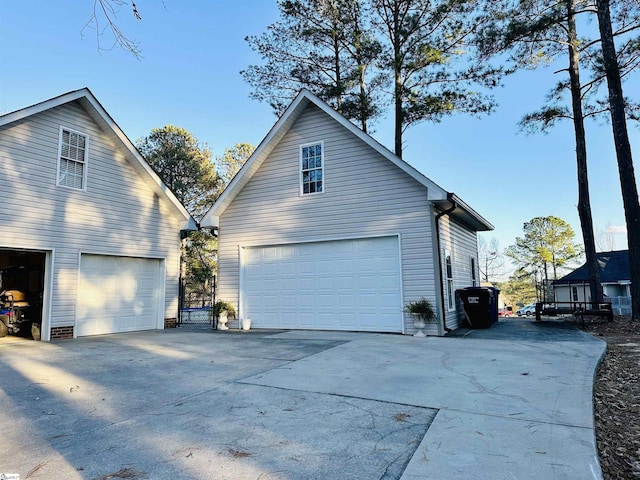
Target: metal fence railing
{"points": [[579, 310], [197, 317]]}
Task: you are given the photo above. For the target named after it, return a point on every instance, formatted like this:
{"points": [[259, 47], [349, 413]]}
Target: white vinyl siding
{"points": [[117, 215], [462, 244], [72, 159], [270, 209]]}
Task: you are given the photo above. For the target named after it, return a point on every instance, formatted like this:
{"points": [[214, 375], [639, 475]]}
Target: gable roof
{"points": [[613, 266], [99, 115], [437, 194]]}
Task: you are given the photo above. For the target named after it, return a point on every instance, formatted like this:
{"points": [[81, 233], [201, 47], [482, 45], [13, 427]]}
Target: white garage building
{"points": [[324, 228], [89, 233]]}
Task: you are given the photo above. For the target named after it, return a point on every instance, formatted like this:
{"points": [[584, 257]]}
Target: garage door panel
{"points": [[254, 285], [271, 284], [270, 253], [288, 268], [374, 283], [346, 301], [346, 266], [271, 270], [307, 319], [385, 264], [271, 301], [387, 301], [126, 323], [365, 265], [325, 267], [288, 286], [289, 319], [254, 269], [344, 285], [386, 282], [325, 285], [344, 282], [307, 285], [306, 267], [289, 302], [347, 320], [368, 321], [118, 294], [388, 319]]}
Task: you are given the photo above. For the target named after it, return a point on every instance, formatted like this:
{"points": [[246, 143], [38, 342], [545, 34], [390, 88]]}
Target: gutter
{"points": [[454, 205]]}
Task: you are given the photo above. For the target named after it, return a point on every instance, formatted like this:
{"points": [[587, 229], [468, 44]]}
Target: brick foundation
{"points": [[170, 322], [59, 333]]}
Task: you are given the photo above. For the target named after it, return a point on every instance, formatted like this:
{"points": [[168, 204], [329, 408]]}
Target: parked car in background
{"points": [[527, 310], [505, 312]]}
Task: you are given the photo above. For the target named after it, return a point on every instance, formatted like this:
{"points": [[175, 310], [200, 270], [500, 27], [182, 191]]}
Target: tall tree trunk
{"points": [[362, 75], [584, 203], [339, 87], [398, 83], [623, 152], [398, 112], [364, 99], [545, 285]]}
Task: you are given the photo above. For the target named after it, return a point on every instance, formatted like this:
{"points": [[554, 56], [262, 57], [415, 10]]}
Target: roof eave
{"points": [[279, 129], [464, 213], [268, 143], [101, 116]]}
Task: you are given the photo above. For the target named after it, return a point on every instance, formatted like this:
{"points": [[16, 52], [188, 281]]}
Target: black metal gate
{"points": [[196, 305]]}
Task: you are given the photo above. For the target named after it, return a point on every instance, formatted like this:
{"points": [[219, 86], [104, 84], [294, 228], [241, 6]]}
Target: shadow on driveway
{"points": [[169, 404]]}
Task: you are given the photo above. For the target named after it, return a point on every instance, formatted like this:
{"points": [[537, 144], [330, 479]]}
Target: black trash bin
{"points": [[480, 305]]}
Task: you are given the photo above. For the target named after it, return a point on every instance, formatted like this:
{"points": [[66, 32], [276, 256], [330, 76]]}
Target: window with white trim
{"points": [[449, 270], [574, 293], [72, 159], [311, 168]]}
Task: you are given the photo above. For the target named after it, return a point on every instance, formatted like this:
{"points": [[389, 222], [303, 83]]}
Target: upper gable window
{"points": [[72, 159], [311, 168]]}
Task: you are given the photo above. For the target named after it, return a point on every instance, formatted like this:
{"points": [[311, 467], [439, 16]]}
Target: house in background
{"points": [[615, 278], [90, 235], [324, 228]]}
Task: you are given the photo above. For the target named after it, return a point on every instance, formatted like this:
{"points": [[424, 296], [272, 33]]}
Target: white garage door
{"points": [[118, 294], [338, 285]]}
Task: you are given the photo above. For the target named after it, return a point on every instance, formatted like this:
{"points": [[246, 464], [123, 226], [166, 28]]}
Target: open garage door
{"points": [[118, 294], [337, 285], [22, 279]]}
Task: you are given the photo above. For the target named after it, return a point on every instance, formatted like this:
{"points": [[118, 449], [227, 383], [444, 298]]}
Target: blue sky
{"points": [[189, 76]]}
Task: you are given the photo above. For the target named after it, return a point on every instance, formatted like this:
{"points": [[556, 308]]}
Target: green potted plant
{"points": [[422, 313], [222, 311]]}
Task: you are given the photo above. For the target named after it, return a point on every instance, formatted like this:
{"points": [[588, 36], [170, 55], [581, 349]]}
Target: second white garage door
{"points": [[338, 285], [118, 294]]}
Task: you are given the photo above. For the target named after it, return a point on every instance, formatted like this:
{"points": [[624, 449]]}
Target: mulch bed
{"points": [[616, 398]]}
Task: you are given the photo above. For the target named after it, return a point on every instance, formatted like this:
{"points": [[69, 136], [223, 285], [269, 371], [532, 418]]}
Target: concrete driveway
{"points": [[511, 402]]}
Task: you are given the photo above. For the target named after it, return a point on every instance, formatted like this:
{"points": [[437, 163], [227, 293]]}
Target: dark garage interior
{"points": [[21, 293]]}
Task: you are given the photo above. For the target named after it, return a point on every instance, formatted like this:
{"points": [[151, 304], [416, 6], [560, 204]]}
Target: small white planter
{"points": [[246, 324], [419, 324], [222, 321]]}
